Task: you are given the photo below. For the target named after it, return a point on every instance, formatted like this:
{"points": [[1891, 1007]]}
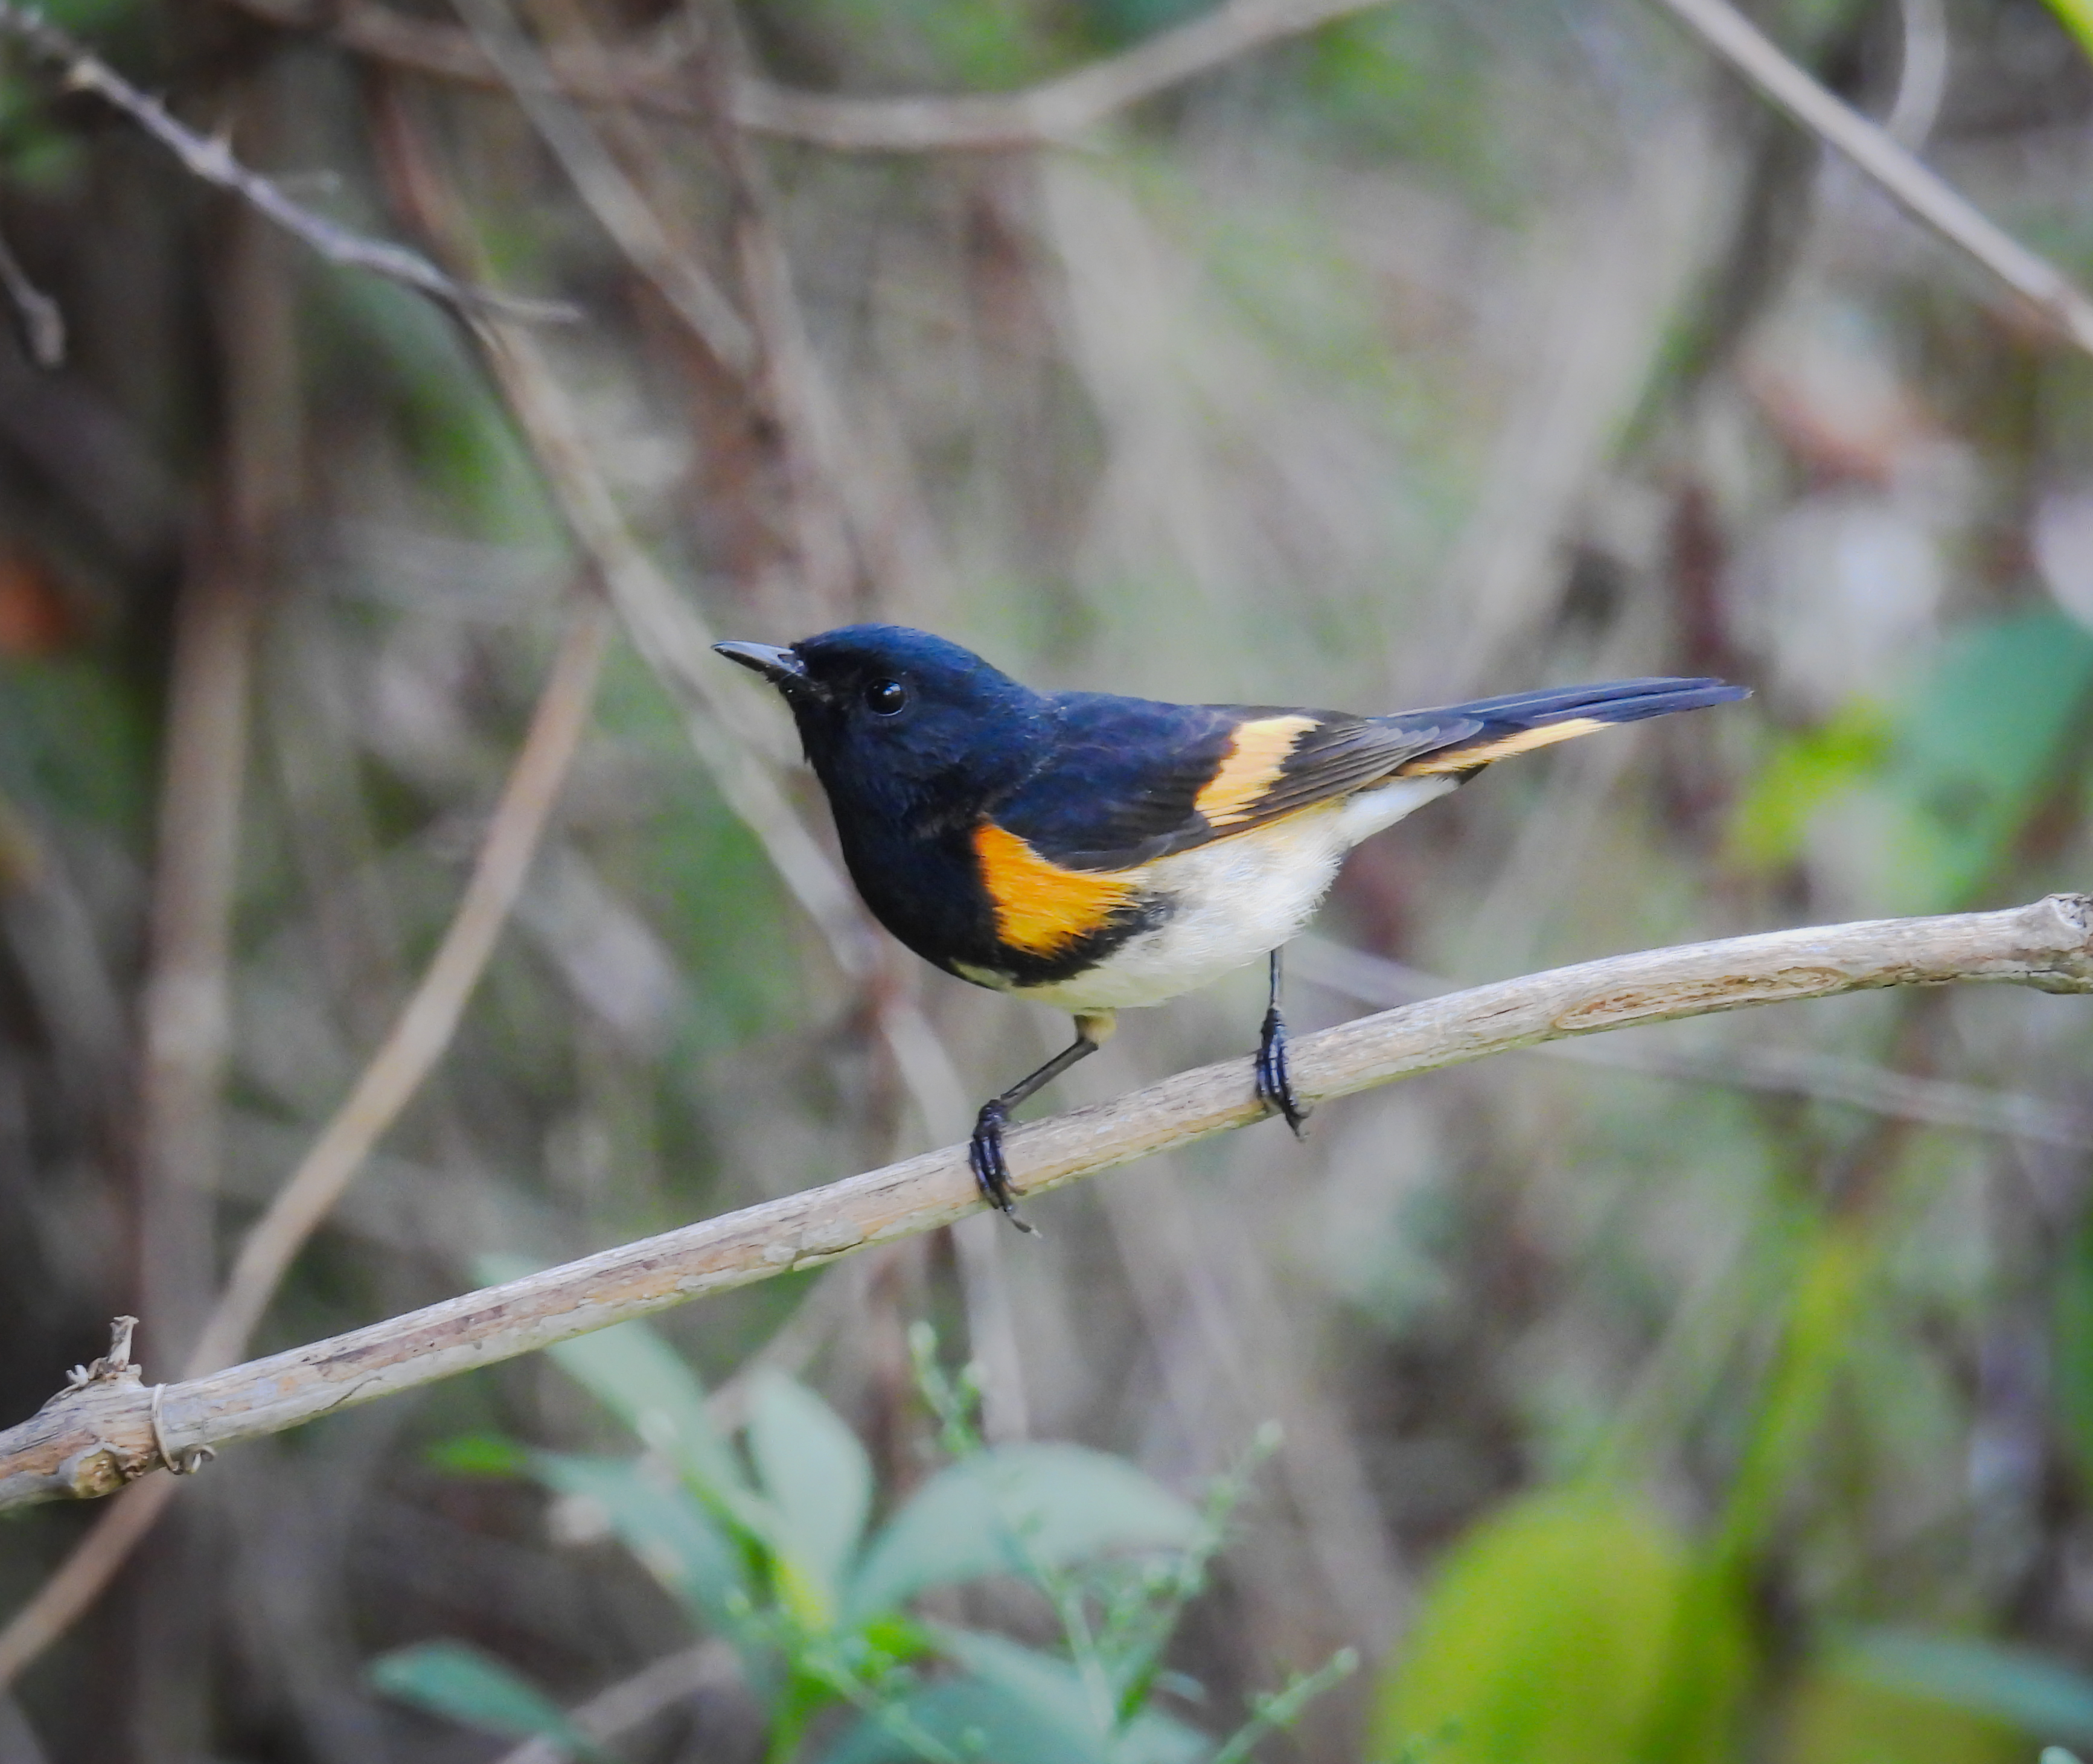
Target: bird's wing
{"points": [[1128, 781]]}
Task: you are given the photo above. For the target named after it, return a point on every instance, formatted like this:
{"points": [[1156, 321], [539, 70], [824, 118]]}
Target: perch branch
{"points": [[212, 160], [92, 1438], [1899, 172]]}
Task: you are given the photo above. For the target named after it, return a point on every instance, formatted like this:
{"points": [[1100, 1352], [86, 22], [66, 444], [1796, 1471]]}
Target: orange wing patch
{"points": [[1466, 759], [1040, 908], [1251, 766]]}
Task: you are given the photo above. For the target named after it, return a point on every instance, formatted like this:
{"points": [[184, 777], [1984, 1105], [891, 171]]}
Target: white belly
{"points": [[1236, 900]]}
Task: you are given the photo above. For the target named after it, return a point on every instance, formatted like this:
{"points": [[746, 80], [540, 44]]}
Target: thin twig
{"points": [[1053, 112], [402, 1062], [212, 161], [87, 1442], [1747, 49], [611, 196], [43, 324]]}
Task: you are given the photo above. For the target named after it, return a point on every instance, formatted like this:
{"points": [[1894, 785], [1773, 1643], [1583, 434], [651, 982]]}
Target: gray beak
{"points": [[780, 667]]}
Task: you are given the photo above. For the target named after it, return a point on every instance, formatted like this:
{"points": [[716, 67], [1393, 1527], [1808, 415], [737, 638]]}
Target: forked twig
{"points": [[43, 323], [212, 160], [86, 1441]]}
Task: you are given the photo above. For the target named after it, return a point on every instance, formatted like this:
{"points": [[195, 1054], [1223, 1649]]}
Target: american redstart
{"points": [[1097, 852]]}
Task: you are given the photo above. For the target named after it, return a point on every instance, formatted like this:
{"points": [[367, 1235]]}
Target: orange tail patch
{"points": [[1040, 908], [1501, 747]]}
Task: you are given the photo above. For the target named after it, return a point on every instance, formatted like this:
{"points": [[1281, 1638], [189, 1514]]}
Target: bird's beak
{"points": [[780, 667]]}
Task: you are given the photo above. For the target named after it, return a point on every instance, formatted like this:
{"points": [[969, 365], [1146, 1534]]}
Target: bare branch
{"points": [[87, 1441], [1779, 1071], [43, 324], [1747, 49], [213, 162]]}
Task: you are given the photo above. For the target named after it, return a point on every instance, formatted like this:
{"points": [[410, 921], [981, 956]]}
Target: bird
{"points": [[1099, 853]]}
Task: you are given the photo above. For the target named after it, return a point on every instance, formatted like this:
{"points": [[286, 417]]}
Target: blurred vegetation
{"points": [[1726, 1393]]}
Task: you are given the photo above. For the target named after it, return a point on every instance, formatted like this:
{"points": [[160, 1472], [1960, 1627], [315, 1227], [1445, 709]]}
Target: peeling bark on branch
{"points": [[88, 1441]]}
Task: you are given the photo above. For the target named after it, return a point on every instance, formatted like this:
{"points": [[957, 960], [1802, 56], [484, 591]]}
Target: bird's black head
{"points": [[899, 724]]}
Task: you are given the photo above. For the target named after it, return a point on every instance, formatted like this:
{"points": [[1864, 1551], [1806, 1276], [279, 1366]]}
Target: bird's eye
{"points": [[885, 698]]}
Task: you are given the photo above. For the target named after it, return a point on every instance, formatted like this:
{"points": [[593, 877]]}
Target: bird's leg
{"points": [[985, 1150], [1274, 1083]]}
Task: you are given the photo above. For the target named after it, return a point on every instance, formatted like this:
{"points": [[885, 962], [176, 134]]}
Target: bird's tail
{"points": [[1497, 728]]}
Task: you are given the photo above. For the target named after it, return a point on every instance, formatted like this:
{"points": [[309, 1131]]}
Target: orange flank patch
{"points": [[1250, 767], [1040, 908]]}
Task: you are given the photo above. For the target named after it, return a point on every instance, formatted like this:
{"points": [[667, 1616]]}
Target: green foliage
{"points": [[820, 1482], [75, 740], [1805, 771], [2075, 1348], [1831, 1717], [1003, 1507], [446, 1678], [1946, 775], [1983, 1679], [1570, 1627], [772, 1555]]}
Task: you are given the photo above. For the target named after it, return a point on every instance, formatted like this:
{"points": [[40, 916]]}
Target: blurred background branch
{"points": [[398, 1068], [212, 161]]}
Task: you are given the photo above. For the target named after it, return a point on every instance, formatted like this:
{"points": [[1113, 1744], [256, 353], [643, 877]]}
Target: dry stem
{"points": [[87, 1442], [402, 1062], [1901, 174], [212, 161]]}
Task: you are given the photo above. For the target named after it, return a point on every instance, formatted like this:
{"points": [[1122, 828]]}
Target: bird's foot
{"points": [[1275, 1082], [985, 1159]]}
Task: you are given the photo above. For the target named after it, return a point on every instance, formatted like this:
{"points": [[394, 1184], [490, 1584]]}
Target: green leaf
{"points": [[1014, 1707], [820, 1482], [1941, 782], [996, 1513], [1976, 742], [449, 1679], [1052, 1689], [2042, 1698], [1805, 771], [2074, 1349], [647, 1385], [1830, 1717], [671, 1533], [1572, 1628], [481, 1454]]}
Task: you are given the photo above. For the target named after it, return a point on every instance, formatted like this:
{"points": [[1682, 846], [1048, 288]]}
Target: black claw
{"points": [[1275, 1083], [985, 1159]]}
